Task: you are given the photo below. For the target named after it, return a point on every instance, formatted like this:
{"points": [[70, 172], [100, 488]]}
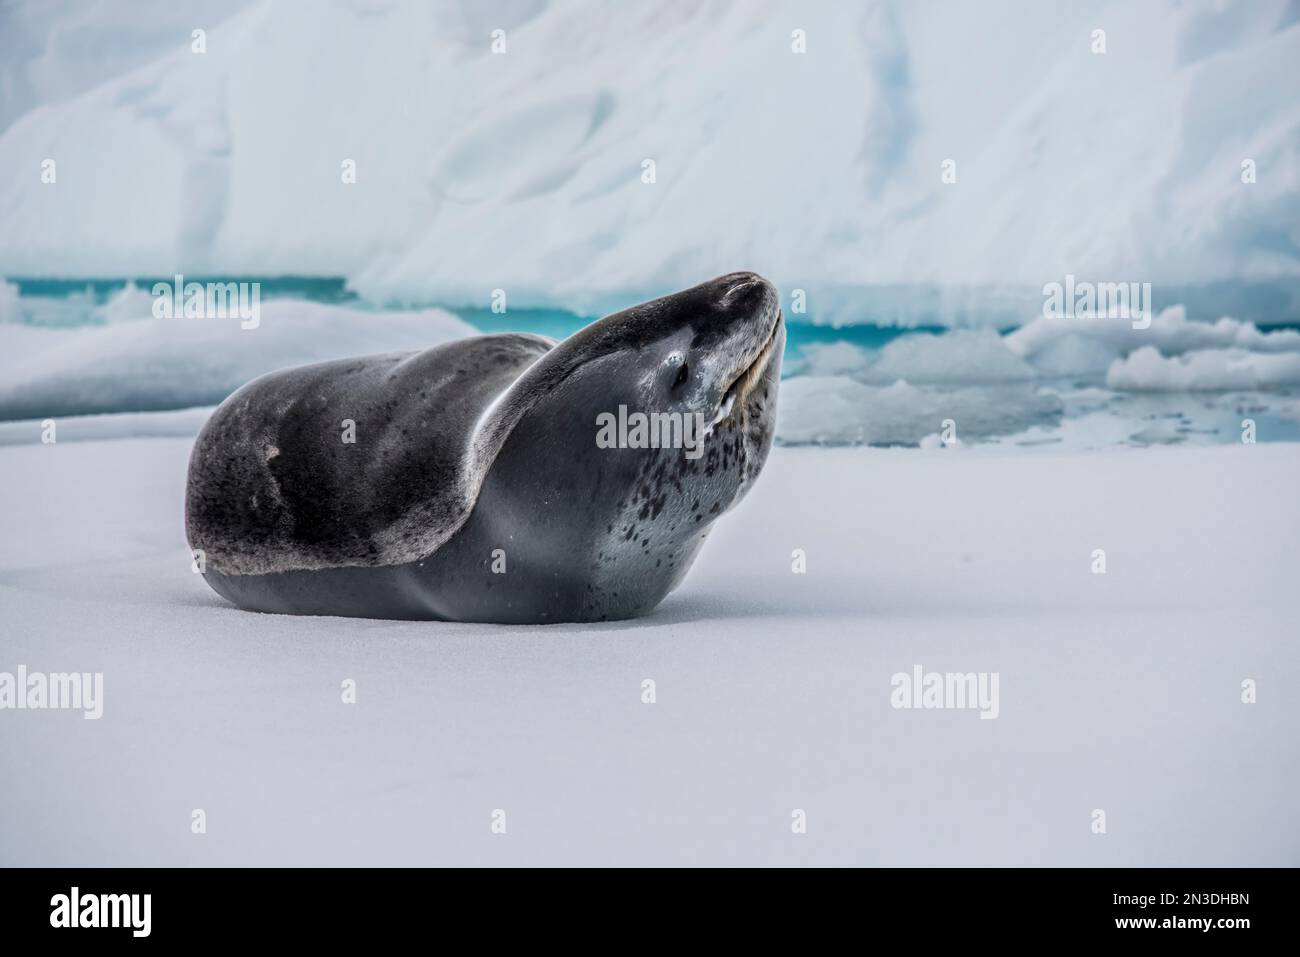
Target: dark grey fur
{"points": [[485, 444]]}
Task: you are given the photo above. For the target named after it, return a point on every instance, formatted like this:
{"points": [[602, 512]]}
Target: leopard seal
{"points": [[474, 487]]}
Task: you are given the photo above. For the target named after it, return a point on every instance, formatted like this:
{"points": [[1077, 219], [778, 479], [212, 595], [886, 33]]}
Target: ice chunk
{"points": [[1170, 331], [1217, 370], [1075, 354], [962, 356], [9, 308], [128, 303], [157, 364], [835, 410], [831, 359]]}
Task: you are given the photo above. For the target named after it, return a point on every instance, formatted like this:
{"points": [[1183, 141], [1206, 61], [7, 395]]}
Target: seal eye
{"points": [[683, 374]]}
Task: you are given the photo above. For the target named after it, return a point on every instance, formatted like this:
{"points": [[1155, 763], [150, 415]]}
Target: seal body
{"points": [[502, 478]]}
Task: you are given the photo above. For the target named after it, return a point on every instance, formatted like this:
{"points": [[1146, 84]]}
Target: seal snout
{"points": [[744, 290], [751, 306]]}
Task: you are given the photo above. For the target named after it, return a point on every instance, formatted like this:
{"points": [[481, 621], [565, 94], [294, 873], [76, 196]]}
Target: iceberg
{"points": [[608, 153]]}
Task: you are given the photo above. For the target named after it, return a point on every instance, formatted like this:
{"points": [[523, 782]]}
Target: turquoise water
{"points": [[559, 324], [65, 303], [99, 291], [1120, 418]]}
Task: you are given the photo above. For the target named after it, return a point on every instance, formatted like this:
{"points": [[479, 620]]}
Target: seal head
{"points": [[634, 516]]}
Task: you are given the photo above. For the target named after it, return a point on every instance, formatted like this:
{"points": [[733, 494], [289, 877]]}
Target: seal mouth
{"points": [[747, 376]]}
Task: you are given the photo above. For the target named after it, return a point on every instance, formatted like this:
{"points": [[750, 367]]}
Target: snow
{"points": [[1118, 691], [52, 50], [523, 170], [142, 364], [184, 423]]}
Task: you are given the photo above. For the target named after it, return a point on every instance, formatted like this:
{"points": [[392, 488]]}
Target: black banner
{"points": [[1152, 907]]}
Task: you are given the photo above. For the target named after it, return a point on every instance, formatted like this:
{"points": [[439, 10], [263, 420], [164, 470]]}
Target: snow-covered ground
{"points": [[1119, 692]]}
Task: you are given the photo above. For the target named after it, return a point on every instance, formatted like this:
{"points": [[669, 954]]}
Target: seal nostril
{"points": [[739, 291], [742, 287], [682, 375]]}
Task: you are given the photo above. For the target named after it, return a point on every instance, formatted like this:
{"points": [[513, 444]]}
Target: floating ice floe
{"points": [[1170, 331], [1218, 370], [835, 410]]}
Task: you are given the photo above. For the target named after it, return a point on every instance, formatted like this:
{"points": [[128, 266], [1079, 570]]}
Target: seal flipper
{"points": [[360, 462]]}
